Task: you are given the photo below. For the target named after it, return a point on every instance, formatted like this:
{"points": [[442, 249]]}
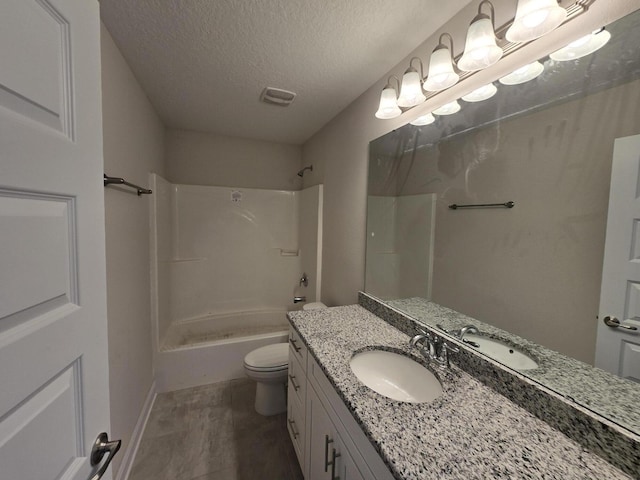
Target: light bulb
{"points": [[448, 108], [523, 74], [411, 89], [479, 94], [480, 49], [583, 46], [388, 104], [441, 74], [535, 18]]}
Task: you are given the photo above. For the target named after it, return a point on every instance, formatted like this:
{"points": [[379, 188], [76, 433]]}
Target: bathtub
{"points": [[211, 349]]}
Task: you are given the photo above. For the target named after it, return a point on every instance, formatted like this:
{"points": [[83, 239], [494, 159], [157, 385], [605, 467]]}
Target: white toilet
{"points": [[268, 366]]}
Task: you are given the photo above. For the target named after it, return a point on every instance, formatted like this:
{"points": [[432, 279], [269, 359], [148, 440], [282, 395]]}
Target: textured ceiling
{"points": [[204, 63]]}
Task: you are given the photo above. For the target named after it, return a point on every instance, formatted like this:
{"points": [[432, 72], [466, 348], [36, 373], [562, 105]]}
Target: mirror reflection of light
{"points": [[583, 46], [523, 74], [423, 120], [448, 108], [479, 94]]}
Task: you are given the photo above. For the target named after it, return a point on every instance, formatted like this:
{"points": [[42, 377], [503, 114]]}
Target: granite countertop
{"points": [[469, 432], [602, 392]]}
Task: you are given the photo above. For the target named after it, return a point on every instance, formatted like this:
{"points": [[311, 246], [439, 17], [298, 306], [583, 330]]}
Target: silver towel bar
{"points": [[483, 205], [121, 181]]}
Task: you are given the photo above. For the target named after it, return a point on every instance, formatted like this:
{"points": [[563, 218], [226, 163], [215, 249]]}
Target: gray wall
{"points": [[133, 147], [196, 158]]}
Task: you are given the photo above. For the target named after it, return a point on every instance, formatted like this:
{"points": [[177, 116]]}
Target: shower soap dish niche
{"points": [[284, 252]]}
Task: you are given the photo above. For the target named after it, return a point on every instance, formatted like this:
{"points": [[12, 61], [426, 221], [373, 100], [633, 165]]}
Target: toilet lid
{"points": [[276, 355]]}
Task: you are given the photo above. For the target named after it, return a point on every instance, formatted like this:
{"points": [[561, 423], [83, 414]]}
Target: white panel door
{"points": [[618, 344], [53, 332]]}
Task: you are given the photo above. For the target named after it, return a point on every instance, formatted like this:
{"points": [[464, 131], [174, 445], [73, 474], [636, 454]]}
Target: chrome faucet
{"points": [[468, 329], [441, 352], [299, 299], [433, 348]]}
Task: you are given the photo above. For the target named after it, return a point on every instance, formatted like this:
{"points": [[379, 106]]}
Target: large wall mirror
{"points": [[528, 276]]}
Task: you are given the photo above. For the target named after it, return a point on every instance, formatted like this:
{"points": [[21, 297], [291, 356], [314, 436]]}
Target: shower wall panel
{"points": [[400, 240], [233, 250], [310, 235], [161, 255]]}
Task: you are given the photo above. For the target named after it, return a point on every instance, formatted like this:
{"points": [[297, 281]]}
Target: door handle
{"points": [[613, 322], [327, 441], [101, 446], [334, 455]]}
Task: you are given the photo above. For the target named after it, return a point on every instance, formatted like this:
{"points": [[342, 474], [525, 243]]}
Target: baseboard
{"points": [[136, 435]]}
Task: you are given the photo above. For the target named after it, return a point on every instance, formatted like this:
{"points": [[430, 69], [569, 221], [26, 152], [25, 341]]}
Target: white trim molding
{"points": [[136, 435]]}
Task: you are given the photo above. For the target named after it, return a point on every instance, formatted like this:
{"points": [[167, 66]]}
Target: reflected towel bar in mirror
{"points": [[121, 181], [483, 205]]}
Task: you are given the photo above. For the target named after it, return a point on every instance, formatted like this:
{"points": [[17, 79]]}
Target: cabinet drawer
{"points": [[296, 427], [299, 348], [297, 386]]}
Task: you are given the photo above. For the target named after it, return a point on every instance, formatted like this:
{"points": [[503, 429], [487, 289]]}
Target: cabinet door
{"points": [[350, 471], [324, 442]]}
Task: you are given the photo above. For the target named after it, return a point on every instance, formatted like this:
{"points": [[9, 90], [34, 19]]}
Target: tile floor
{"points": [[213, 433]]}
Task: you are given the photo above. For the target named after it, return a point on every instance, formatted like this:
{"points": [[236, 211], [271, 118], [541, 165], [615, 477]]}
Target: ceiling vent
{"points": [[277, 96]]}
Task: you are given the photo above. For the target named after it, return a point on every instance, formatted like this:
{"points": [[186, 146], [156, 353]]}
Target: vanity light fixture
{"points": [[523, 74], [485, 45], [411, 89], [389, 101], [583, 46], [480, 49], [441, 74], [535, 18], [423, 120], [448, 108], [479, 94]]}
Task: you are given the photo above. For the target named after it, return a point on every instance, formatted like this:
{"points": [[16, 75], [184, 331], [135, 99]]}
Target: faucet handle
{"points": [[450, 348]]}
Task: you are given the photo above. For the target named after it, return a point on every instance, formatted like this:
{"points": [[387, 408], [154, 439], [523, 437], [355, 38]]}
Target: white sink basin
{"points": [[501, 352], [396, 376]]}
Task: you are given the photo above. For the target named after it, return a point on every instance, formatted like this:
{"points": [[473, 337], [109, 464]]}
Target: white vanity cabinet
{"points": [[326, 437], [296, 395]]}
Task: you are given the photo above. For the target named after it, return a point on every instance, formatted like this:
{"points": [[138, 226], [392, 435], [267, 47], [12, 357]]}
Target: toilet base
{"points": [[271, 398]]}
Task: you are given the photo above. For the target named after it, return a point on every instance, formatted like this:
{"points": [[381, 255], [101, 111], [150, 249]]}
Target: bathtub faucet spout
{"points": [[299, 299]]}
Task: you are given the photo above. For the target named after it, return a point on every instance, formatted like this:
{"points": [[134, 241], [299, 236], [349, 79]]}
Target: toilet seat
{"points": [[271, 358]]}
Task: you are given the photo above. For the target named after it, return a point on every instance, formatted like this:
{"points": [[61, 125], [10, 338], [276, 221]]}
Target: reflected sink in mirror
{"points": [[500, 351], [396, 376]]}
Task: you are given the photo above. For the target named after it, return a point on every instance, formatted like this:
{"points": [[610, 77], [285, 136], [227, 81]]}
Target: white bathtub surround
{"points": [[212, 361], [398, 257], [225, 265]]}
